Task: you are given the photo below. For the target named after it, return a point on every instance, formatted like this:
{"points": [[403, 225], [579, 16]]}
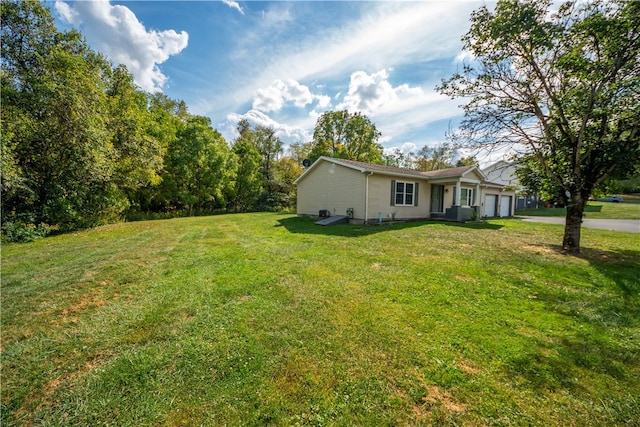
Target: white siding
{"points": [[502, 173], [380, 199], [332, 187]]}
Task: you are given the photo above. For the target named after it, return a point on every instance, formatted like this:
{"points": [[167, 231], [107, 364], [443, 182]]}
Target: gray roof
{"points": [[392, 170]]}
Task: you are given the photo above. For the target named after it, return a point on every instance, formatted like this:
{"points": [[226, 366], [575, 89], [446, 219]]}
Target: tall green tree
{"points": [[399, 159], [433, 158], [348, 136], [270, 148], [299, 151], [286, 171], [247, 185], [199, 168], [165, 117], [75, 131], [563, 85], [54, 130], [139, 152]]}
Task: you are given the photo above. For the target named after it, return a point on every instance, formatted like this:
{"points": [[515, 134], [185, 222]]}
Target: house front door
{"points": [[437, 198]]}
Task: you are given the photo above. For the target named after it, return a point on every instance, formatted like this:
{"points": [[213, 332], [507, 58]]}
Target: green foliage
{"points": [[74, 144], [429, 158], [629, 209], [21, 229], [435, 158], [286, 171], [562, 84], [631, 185], [467, 161], [139, 152], [264, 180], [82, 145], [198, 167], [347, 136], [398, 159], [248, 183], [299, 151]]}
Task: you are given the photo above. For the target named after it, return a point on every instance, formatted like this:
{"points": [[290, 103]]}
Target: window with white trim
{"points": [[404, 193], [466, 197]]}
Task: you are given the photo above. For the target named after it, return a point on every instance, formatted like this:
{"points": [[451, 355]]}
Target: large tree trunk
{"points": [[573, 224]]}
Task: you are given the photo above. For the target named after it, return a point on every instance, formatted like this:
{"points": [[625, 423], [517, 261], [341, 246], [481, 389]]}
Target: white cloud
{"points": [[273, 97], [287, 133], [65, 12], [116, 31], [396, 110], [393, 33], [389, 34], [234, 5], [369, 93], [406, 148], [465, 56]]}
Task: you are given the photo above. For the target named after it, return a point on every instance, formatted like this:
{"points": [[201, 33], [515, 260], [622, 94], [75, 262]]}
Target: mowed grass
{"points": [[267, 319], [629, 209]]}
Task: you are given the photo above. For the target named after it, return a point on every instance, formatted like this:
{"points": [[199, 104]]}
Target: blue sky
{"points": [[282, 64]]}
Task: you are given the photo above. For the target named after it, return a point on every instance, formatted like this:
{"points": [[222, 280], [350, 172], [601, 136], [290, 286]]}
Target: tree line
{"points": [[82, 145]]}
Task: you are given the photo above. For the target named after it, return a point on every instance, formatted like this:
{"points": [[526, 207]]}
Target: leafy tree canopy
{"points": [[561, 86], [347, 136]]}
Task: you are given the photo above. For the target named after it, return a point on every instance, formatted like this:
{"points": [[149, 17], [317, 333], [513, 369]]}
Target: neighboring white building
{"points": [[504, 173]]}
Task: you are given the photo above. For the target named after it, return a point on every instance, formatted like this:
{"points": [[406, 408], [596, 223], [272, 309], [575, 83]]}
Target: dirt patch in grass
{"points": [[436, 399], [437, 395], [42, 397], [468, 368], [92, 299], [555, 251]]}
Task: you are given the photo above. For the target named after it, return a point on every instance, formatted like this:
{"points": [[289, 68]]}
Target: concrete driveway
{"points": [[628, 225]]}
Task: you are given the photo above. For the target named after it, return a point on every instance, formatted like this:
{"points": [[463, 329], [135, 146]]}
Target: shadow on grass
{"points": [[560, 362], [621, 267], [307, 225], [603, 313]]}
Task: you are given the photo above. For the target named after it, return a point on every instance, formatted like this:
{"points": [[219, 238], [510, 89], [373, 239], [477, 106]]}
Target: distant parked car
{"points": [[612, 199]]}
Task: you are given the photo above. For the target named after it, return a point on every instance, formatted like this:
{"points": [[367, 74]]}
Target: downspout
{"points": [[366, 198]]}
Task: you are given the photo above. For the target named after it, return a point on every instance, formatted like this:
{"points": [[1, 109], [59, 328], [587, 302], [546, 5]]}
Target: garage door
{"points": [[490, 205], [505, 205]]}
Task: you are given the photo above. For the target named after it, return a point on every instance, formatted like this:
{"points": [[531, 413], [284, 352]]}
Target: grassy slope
{"points": [[629, 209], [264, 318]]}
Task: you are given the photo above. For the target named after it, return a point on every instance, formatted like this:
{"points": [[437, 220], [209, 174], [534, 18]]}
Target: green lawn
{"points": [[263, 319], [629, 209]]}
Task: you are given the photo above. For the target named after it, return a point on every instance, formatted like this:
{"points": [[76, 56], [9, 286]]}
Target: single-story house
{"points": [[370, 193]]}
